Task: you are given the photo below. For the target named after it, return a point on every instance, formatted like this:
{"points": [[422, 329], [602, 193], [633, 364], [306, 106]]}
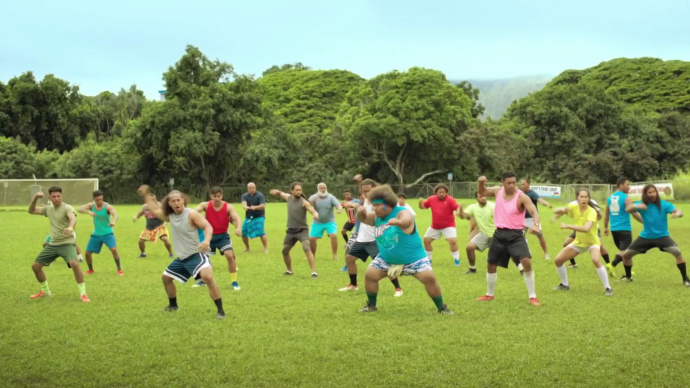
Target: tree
{"points": [[406, 122], [287, 66], [473, 94]]}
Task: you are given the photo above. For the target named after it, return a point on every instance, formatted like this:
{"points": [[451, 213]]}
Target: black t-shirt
{"points": [[254, 200]]}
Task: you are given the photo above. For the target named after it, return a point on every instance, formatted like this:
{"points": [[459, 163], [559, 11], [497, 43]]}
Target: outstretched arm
{"points": [[578, 228], [202, 207], [32, 206], [86, 209], [676, 213], [151, 203], [486, 191], [421, 203], [280, 194], [543, 202]]}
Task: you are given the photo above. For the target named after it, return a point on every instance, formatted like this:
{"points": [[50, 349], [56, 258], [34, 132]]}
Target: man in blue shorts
{"points": [[254, 204], [101, 212], [324, 203]]}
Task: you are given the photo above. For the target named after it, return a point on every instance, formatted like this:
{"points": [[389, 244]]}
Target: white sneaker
{"points": [[546, 257], [349, 287], [398, 292]]}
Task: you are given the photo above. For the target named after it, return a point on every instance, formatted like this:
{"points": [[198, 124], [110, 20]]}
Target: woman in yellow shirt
{"points": [[585, 214]]}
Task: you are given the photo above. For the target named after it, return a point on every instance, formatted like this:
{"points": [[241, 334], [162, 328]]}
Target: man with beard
{"points": [[324, 203]]}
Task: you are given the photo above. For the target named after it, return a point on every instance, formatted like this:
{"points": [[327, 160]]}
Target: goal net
{"points": [[20, 192]]}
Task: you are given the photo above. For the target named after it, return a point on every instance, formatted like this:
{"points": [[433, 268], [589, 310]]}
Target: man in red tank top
{"points": [[220, 214], [509, 240]]}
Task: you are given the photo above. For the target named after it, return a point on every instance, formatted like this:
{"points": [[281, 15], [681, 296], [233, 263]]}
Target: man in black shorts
{"points": [[655, 231], [509, 240]]}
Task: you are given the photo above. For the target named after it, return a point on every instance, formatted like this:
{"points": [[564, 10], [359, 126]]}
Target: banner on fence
{"points": [[665, 191], [548, 191]]}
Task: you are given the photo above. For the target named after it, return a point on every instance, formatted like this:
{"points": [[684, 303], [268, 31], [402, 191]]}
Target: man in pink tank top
{"points": [[509, 240]]}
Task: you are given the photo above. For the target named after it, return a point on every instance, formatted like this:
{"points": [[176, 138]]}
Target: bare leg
{"points": [[334, 245], [38, 271], [142, 246], [245, 240], [312, 245], [264, 241], [168, 246]]}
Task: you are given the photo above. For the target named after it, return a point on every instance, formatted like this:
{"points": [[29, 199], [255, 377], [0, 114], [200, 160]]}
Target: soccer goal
{"points": [[19, 192]]}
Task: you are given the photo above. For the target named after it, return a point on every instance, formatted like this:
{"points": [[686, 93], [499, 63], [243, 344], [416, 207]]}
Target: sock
{"points": [[353, 279], [82, 288], [438, 301], [219, 305], [606, 258], [90, 266], [681, 268], [172, 302], [546, 256], [491, 279], [117, 262], [456, 255], [604, 276], [396, 283], [372, 299], [429, 254], [572, 261], [628, 271], [80, 257], [563, 273], [520, 267], [473, 267], [529, 282], [617, 260], [233, 277], [45, 288]]}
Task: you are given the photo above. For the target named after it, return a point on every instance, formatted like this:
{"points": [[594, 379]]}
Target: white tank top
{"points": [[366, 232]]}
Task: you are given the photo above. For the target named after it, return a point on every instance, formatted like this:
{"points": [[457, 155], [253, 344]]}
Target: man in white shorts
{"points": [[481, 217], [443, 209]]}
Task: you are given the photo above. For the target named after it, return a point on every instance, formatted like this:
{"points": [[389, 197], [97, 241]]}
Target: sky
{"points": [[111, 45]]}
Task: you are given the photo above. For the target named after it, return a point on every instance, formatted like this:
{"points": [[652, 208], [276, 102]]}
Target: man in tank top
{"points": [[509, 241], [153, 230], [192, 254], [101, 212]]}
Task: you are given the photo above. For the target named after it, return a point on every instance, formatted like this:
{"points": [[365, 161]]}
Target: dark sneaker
{"points": [[686, 282], [141, 256], [626, 279], [314, 275], [445, 310], [561, 287], [170, 308], [471, 271], [221, 315], [368, 309]]}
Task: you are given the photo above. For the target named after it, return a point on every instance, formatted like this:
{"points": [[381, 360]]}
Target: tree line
{"points": [[217, 127]]}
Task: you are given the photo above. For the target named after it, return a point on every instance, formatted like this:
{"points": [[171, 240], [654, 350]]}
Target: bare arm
{"points": [[486, 191], [578, 228], [638, 217], [245, 206], [235, 220], [113, 212], [151, 202], [404, 221], [543, 202], [280, 194], [307, 205], [72, 221], [32, 206], [200, 222], [606, 219], [529, 206], [632, 208], [202, 207], [368, 218], [677, 213], [86, 208], [139, 214], [421, 203]]}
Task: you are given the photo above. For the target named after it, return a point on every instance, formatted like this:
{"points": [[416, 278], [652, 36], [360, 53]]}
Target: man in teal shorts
{"points": [[324, 203], [254, 204], [62, 242], [101, 212]]}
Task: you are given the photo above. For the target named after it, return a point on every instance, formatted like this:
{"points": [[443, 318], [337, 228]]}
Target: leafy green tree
{"points": [[473, 94]]}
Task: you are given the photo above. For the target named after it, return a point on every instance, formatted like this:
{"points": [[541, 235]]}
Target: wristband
{"points": [[70, 229]]}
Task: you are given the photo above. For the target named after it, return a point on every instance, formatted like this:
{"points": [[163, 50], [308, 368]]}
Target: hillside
{"points": [[497, 94]]}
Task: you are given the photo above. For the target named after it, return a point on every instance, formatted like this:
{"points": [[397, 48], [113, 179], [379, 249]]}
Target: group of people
{"points": [[382, 227]]}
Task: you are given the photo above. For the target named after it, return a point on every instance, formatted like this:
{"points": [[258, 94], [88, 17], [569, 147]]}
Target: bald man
{"points": [[254, 203]]}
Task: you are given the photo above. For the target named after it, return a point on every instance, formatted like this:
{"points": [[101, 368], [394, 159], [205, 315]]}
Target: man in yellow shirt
{"points": [[585, 214]]}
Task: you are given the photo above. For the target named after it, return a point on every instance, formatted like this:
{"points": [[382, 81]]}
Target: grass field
{"points": [[296, 331]]}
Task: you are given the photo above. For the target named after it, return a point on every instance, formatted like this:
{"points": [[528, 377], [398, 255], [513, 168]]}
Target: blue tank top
{"points": [[620, 220], [396, 246]]}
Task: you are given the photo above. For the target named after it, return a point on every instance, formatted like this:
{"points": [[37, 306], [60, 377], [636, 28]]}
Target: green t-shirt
{"points": [[59, 221], [484, 217]]}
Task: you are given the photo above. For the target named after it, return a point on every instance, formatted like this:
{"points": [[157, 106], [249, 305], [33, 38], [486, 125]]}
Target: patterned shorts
{"points": [[420, 265]]}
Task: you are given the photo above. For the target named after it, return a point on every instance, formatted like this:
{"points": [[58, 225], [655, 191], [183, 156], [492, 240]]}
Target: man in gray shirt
{"points": [[324, 203], [297, 228]]}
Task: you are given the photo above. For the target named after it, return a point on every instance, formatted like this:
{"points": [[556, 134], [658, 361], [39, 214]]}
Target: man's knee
{"points": [[674, 250], [470, 247], [36, 266], [286, 250], [229, 255], [306, 246]]}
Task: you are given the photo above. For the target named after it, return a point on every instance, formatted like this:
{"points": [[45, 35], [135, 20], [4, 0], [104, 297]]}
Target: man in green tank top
{"points": [[101, 212]]}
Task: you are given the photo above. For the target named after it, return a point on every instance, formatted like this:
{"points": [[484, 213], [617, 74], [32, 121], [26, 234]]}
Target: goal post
{"points": [[19, 192]]}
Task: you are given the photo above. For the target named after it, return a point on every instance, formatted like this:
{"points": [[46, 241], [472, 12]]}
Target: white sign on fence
{"points": [[548, 191], [665, 191]]}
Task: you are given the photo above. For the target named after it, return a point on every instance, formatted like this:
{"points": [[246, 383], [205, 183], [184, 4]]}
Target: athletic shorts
{"points": [[481, 240], [182, 270], [420, 265], [508, 244], [364, 250], [96, 243], [318, 229], [642, 245], [581, 249], [253, 227], [622, 239], [50, 253], [292, 236], [221, 242], [153, 235], [348, 226], [449, 232]]}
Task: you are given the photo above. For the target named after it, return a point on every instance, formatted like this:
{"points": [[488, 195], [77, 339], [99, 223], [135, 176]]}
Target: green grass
{"points": [[298, 331]]}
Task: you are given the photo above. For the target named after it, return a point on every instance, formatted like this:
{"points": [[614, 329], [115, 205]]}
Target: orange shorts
{"points": [[153, 235]]}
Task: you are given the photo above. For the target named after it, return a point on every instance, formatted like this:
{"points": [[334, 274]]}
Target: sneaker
{"points": [[610, 270], [80, 258], [221, 315], [368, 309], [169, 308], [40, 294], [314, 275], [85, 298], [235, 286], [288, 273], [199, 283], [534, 302], [471, 271], [572, 266], [89, 272], [485, 298], [445, 310], [561, 287], [546, 257], [143, 255], [349, 287], [686, 282], [457, 262], [119, 272], [626, 279], [398, 292], [343, 269], [608, 292]]}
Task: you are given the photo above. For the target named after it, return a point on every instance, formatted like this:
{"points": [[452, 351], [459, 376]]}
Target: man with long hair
{"points": [[655, 233]]}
